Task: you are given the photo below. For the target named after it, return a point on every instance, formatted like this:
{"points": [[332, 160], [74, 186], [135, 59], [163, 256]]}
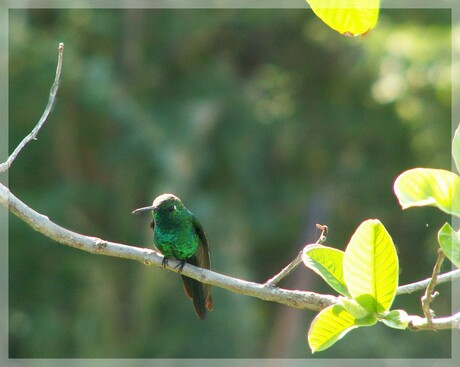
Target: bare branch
{"points": [[33, 134], [293, 298], [440, 323], [418, 286]]}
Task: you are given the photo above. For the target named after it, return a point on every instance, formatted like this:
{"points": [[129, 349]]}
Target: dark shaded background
{"points": [[264, 122]]}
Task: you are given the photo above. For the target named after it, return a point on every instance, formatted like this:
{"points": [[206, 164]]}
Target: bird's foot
{"points": [[164, 262], [180, 265]]}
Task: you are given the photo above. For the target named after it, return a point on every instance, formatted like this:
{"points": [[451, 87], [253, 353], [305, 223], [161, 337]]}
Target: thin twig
{"points": [[430, 295], [33, 134], [295, 263], [286, 271]]}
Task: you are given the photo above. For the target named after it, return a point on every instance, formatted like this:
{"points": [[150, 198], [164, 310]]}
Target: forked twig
{"points": [[430, 295], [298, 259]]}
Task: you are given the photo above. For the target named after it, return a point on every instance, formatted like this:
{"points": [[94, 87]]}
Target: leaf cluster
{"points": [[366, 273]]}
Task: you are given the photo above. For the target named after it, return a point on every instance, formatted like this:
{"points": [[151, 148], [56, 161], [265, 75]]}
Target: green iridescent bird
{"points": [[178, 234]]}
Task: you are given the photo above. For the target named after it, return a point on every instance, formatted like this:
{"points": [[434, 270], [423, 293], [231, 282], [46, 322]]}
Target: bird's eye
{"points": [[171, 208]]}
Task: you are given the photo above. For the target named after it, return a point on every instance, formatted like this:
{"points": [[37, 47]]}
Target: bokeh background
{"points": [[264, 122]]}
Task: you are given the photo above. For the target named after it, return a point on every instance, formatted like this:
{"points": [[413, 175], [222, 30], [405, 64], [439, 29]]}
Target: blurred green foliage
{"points": [[264, 122]]}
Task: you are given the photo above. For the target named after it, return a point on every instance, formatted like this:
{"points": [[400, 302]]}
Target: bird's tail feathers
{"points": [[198, 292]]}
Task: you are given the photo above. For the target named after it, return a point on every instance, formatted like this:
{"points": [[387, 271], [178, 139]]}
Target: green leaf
{"points": [[348, 17], [427, 186], [449, 240], [369, 320], [397, 319], [327, 263], [370, 267], [331, 324], [456, 148], [353, 307]]}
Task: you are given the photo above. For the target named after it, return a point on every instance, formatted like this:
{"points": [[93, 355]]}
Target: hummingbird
{"points": [[178, 234]]}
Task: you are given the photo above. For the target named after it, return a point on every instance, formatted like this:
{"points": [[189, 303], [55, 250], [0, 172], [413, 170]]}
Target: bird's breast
{"points": [[179, 244]]}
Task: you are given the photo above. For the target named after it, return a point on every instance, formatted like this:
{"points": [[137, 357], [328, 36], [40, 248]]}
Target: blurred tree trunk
{"points": [[290, 323]]}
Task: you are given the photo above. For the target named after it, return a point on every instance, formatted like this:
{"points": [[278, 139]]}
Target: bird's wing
{"points": [[202, 255], [203, 258]]}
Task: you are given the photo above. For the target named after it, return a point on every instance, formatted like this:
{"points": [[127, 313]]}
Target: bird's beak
{"points": [[145, 209]]}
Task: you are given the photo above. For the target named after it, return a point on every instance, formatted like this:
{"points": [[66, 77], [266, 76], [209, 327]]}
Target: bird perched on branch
{"points": [[178, 234]]}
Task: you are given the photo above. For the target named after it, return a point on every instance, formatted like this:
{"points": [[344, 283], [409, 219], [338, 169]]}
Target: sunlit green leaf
{"points": [[368, 320], [327, 263], [397, 319], [449, 240], [370, 267], [353, 307], [427, 186], [348, 17], [331, 324]]}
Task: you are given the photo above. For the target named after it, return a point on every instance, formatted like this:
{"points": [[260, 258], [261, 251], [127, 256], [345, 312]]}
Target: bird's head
{"points": [[166, 207]]}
